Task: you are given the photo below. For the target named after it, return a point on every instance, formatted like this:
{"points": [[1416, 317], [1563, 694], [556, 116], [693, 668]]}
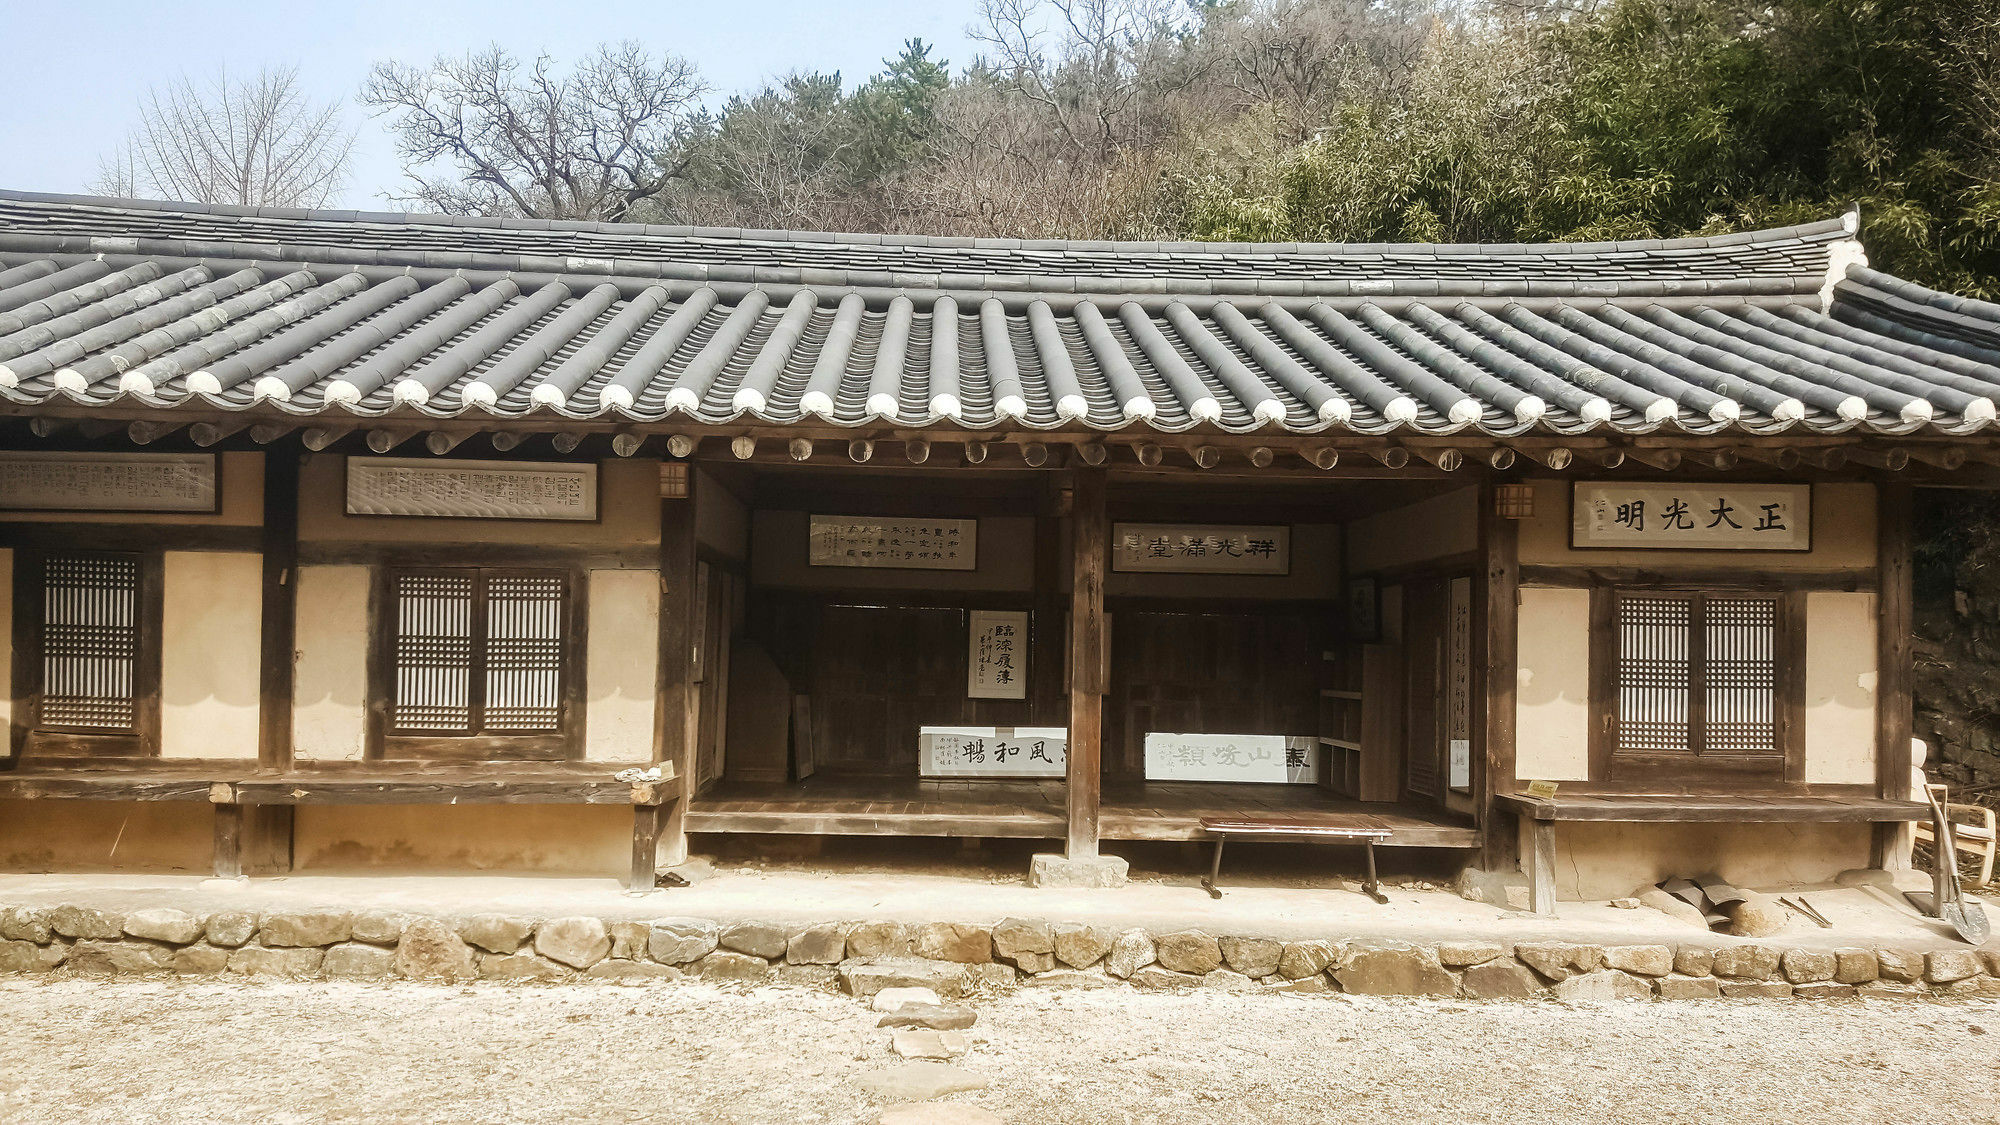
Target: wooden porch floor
{"points": [[1155, 810]]}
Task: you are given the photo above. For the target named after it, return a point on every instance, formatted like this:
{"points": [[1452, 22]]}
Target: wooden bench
{"points": [[1309, 829], [1542, 813], [232, 791]]}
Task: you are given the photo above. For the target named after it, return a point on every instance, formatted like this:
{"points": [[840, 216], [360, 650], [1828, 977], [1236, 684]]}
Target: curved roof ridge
{"points": [[1785, 260]]}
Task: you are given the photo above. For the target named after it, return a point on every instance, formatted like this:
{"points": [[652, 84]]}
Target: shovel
{"points": [[1964, 915]]}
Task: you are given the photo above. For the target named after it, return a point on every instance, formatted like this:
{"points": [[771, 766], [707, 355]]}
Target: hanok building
{"points": [[367, 538]]}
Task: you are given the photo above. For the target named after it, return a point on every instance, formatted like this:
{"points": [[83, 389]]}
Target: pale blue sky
{"points": [[75, 71]]}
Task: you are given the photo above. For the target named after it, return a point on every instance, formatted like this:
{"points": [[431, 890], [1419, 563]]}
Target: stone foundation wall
{"points": [[953, 959]]}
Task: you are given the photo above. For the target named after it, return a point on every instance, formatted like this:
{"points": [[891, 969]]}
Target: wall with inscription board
{"points": [[781, 550], [239, 478], [1843, 536], [1272, 759], [994, 752], [1314, 572], [628, 512]]}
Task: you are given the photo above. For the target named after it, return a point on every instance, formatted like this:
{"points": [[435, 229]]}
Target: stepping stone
{"points": [[937, 1017], [890, 999], [939, 1113], [923, 1043], [921, 1081]]}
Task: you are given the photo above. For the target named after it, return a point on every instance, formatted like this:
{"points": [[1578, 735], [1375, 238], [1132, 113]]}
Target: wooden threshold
{"points": [[1720, 808]]}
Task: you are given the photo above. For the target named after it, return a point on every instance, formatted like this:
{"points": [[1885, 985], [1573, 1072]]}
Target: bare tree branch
{"points": [[260, 143]]}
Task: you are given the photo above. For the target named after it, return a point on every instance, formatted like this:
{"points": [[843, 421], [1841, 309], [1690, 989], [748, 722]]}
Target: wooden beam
{"points": [[1894, 660], [1945, 457], [1496, 681], [228, 858], [1262, 457], [318, 438], [1090, 536], [1500, 457], [1206, 456], [567, 442], [148, 432], [1321, 456], [1392, 456], [1832, 458], [1555, 457], [1444, 460], [441, 442], [44, 426], [627, 443], [1035, 453], [1781, 457], [1607, 458], [1665, 460], [916, 451], [278, 632], [677, 703], [975, 452], [1149, 454], [647, 822], [743, 446], [1092, 453], [384, 440], [799, 449], [860, 451], [206, 434], [505, 440], [682, 445], [1891, 460]]}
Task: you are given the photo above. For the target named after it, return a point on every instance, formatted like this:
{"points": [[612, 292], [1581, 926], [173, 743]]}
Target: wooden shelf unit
{"points": [[1361, 721]]}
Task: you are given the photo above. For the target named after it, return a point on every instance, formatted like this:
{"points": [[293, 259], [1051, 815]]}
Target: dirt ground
{"points": [[695, 1052]]}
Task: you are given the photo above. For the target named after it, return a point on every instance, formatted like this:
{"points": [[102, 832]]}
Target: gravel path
{"points": [[691, 1052]]}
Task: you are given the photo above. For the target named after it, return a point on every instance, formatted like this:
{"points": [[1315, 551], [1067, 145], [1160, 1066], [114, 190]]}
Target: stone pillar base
{"points": [[1050, 870]]}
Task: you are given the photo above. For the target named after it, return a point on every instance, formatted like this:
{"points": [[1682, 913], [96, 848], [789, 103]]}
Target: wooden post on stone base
{"points": [[1090, 538]]}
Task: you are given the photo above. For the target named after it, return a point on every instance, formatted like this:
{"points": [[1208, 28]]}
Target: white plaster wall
{"points": [[1605, 860], [1552, 694], [1840, 688], [210, 626], [6, 641], [96, 836], [623, 657], [331, 685], [543, 839]]}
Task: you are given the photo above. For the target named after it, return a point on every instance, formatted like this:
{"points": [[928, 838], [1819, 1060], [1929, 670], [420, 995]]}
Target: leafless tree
{"points": [[260, 143], [482, 134]]}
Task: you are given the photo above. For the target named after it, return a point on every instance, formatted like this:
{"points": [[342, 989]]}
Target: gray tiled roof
{"points": [[301, 312]]}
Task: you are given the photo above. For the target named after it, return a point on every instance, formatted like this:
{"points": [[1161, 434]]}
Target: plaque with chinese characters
{"points": [[1177, 548], [1694, 516], [992, 751], [896, 543], [108, 482], [997, 655], [1270, 758], [488, 490]]}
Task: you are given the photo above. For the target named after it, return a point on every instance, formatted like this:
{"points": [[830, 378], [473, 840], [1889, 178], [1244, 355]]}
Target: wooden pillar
{"points": [[677, 709], [267, 829], [648, 818], [1895, 671], [1498, 668], [1090, 537], [228, 847]]}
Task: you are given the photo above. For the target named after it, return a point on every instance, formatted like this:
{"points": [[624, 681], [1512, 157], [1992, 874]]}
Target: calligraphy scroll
{"points": [[108, 482], [1271, 758], [1458, 714], [1173, 548], [996, 655], [902, 544], [489, 490], [992, 751], [1696, 516]]}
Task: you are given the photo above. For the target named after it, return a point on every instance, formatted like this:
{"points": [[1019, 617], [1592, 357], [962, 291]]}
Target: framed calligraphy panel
{"points": [[1175, 548], [996, 654], [1695, 516], [893, 542], [108, 482], [1269, 758], [485, 490], [992, 751]]}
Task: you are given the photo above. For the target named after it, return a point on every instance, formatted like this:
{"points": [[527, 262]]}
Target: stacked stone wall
{"points": [[951, 958]]}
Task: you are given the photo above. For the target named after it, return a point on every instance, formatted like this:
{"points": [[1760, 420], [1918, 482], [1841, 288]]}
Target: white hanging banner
{"points": [[1458, 726], [992, 751], [1269, 758], [1692, 516], [901, 544], [487, 490], [996, 654], [1184, 548], [108, 482]]}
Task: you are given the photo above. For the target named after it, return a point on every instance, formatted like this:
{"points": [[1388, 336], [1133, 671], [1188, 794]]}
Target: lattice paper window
{"points": [[90, 643], [1697, 674], [478, 652]]}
